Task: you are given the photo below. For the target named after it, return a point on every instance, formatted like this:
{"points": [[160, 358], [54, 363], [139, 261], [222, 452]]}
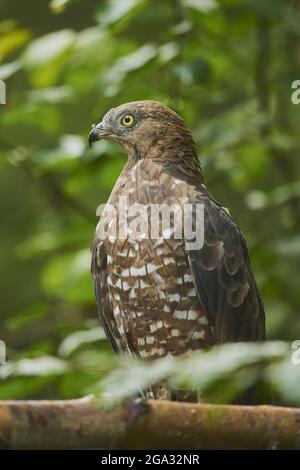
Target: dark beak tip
{"points": [[93, 136]]}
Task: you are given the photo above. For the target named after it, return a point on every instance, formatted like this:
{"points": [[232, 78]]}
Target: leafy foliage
{"points": [[219, 375], [227, 67]]}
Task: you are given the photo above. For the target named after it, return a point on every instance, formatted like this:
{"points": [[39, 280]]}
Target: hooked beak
{"points": [[98, 132]]}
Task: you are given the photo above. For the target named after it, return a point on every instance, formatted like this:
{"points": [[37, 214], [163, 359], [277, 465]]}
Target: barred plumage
{"points": [[157, 296]]}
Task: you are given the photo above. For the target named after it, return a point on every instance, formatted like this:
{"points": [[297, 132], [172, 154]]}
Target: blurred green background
{"points": [[226, 66]]}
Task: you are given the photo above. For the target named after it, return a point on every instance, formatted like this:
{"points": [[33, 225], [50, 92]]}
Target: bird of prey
{"points": [[160, 296]]}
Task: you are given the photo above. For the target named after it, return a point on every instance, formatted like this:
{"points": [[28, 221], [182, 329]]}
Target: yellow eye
{"points": [[127, 120]]}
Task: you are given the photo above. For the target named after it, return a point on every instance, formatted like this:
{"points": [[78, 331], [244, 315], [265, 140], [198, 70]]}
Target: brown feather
{"points": [[156, 297]]}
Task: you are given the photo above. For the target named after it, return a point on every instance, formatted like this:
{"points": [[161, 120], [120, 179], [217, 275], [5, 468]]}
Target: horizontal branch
{"points": [[74, 424]]}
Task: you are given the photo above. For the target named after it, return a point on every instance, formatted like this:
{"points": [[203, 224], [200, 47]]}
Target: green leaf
{"points": [[285, 379], [201, 5], [45, 49], [78, 338], [134, 376], [126, 64], [58, 6], [12, 41], [50, 95], [7, 70], [46, 56], [235, 366], [44, 365], [115, 10]]}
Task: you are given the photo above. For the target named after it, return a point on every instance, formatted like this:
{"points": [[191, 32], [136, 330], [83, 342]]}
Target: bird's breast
{"points": [[149, 279]]}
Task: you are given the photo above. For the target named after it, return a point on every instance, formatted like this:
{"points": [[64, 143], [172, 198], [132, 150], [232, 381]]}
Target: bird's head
{"points": [[145, 128]]}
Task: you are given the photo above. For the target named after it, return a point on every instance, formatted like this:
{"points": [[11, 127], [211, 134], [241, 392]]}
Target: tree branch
{"points": [[146, 425]]}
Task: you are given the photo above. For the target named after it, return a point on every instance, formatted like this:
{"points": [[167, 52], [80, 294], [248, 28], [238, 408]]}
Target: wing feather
{"points": [[223, 278]]}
